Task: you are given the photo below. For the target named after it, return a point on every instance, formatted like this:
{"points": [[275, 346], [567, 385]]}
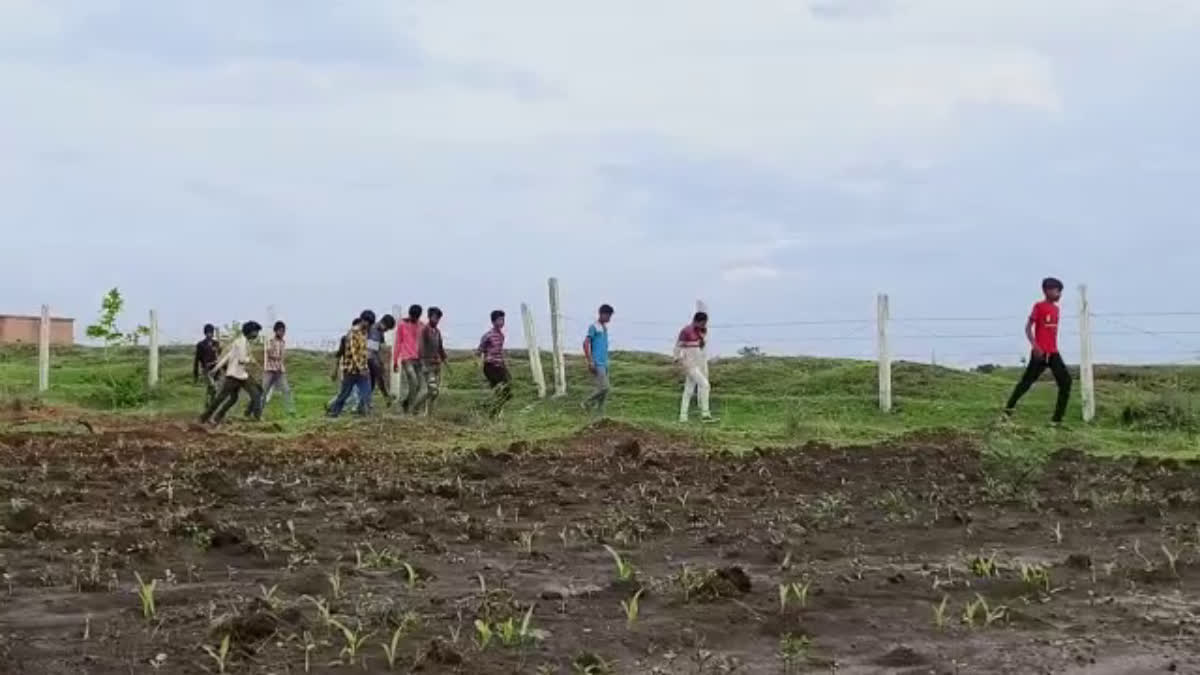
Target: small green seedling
{"points": [[355, 639], [335, 583], [391, 650], [801, 592], [1172, 559], [939, 613], [146, 596], [220, 655], [985, 568], [979, 611], [625, 571], [483, 634], [268, 596], [1036, 577], [412, 576], [631, 608], [785, 592]]}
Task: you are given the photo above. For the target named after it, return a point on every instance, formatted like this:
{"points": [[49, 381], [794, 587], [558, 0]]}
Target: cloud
{"points": [[415, 149]]}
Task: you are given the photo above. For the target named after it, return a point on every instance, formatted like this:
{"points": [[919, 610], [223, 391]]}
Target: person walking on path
{"points": [[376, 335], [356, 374], [237, 377], [1042, 332], [495, 370], [689, 355], [336, 375], [406, 357], [432, 353], [274, 370], [208, 352], [595, 350]]}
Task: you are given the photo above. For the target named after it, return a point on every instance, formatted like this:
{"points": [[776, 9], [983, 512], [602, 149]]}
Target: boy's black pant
{"points": [[228, 397], [379, 375], [1037, 366], [500, 382]]}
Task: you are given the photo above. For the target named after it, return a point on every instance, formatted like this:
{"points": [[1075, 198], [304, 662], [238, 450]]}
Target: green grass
{"points": [[768, 401]]}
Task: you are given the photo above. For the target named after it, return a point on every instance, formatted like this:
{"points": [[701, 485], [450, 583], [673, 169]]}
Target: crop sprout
{"points": [[985, 568], [355, 639], [625, 570], [939, 613], [1036, 577], [146, 596], [631, 608], [220, 655]]}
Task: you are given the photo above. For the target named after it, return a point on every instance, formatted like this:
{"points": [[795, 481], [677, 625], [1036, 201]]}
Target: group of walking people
{"points": [[419, 357]]}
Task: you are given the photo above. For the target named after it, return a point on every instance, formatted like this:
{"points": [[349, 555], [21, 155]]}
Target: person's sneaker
{"points": [[708, 419], [1057, 425], [683, 420]]}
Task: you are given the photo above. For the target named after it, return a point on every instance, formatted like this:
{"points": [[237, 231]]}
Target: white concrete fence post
{"points": [[44, 350], [535, 356], [882, 316], [1087, 379], [701, 306], [152, 378], [556, 339]]}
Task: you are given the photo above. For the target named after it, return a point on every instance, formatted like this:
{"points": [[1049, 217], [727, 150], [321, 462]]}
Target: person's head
{"points": [[606, 312], [388, 322], [498, 319], [280, 329], [435, 316], [700, 319], [414, 313], [1053, 289], [251, 329], [368, 317], [209, 330]]}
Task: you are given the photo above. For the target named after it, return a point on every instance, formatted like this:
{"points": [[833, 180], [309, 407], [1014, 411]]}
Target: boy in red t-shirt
{"points": [[1042, 332]]}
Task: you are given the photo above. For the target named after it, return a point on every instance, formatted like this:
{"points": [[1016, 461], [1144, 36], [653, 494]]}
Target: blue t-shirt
{"points": [[598, 336]]}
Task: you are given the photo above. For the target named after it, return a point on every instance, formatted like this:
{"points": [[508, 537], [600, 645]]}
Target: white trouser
{"points": [[695, 369]]}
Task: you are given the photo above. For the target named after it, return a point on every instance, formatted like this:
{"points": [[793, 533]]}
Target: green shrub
{"points": [[1164, 411]]}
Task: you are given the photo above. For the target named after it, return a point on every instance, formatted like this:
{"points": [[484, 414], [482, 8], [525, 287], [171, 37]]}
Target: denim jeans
{"points": [[350, 384]]}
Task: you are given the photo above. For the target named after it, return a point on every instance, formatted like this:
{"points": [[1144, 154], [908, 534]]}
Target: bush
{"points": [[128, 389], [1165, 411]]}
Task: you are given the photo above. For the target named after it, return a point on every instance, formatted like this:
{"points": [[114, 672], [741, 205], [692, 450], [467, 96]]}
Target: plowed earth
{"points": [[1084, 565]]}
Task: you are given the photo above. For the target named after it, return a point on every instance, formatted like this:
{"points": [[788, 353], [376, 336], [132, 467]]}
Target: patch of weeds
{"points": [[589, 663], [795, 651], [712, 584], [1169, 410], [1036, 577], [984, 568]]}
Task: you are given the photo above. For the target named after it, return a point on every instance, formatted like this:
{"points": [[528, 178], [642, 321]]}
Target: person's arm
{"points": [[677, 353], [587, 350], [396, 350], [196, 366], [1029, 333], [442, 350], [221, 361]]}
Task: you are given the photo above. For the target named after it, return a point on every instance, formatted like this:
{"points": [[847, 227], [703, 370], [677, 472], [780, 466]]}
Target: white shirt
{"points": [[236, 358]]}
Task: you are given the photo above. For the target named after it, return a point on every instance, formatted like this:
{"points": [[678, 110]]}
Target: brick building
{"points": [[24, 330]]}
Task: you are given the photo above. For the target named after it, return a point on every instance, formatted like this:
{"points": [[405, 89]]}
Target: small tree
{"points": [[750, 352], [125, 390], [105, 329]]}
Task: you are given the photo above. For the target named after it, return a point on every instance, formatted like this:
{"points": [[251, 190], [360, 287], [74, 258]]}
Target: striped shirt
{"points": [[491, 347], [274, 356]]}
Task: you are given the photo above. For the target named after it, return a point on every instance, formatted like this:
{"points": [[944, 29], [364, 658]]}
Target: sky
{"points": [[784, 161]]}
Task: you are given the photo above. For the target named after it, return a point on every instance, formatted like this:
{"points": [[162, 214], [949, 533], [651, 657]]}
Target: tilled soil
{"points": [[295, 548]]}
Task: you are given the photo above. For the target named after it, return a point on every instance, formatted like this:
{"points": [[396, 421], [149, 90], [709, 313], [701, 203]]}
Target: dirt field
{"points": [[295, 547]]}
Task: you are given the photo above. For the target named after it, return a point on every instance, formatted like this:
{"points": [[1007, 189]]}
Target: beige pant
{"points": [[695, 383]]}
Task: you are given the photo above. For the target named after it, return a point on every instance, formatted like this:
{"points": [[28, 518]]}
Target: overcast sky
{"points": [[783, 160]]}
